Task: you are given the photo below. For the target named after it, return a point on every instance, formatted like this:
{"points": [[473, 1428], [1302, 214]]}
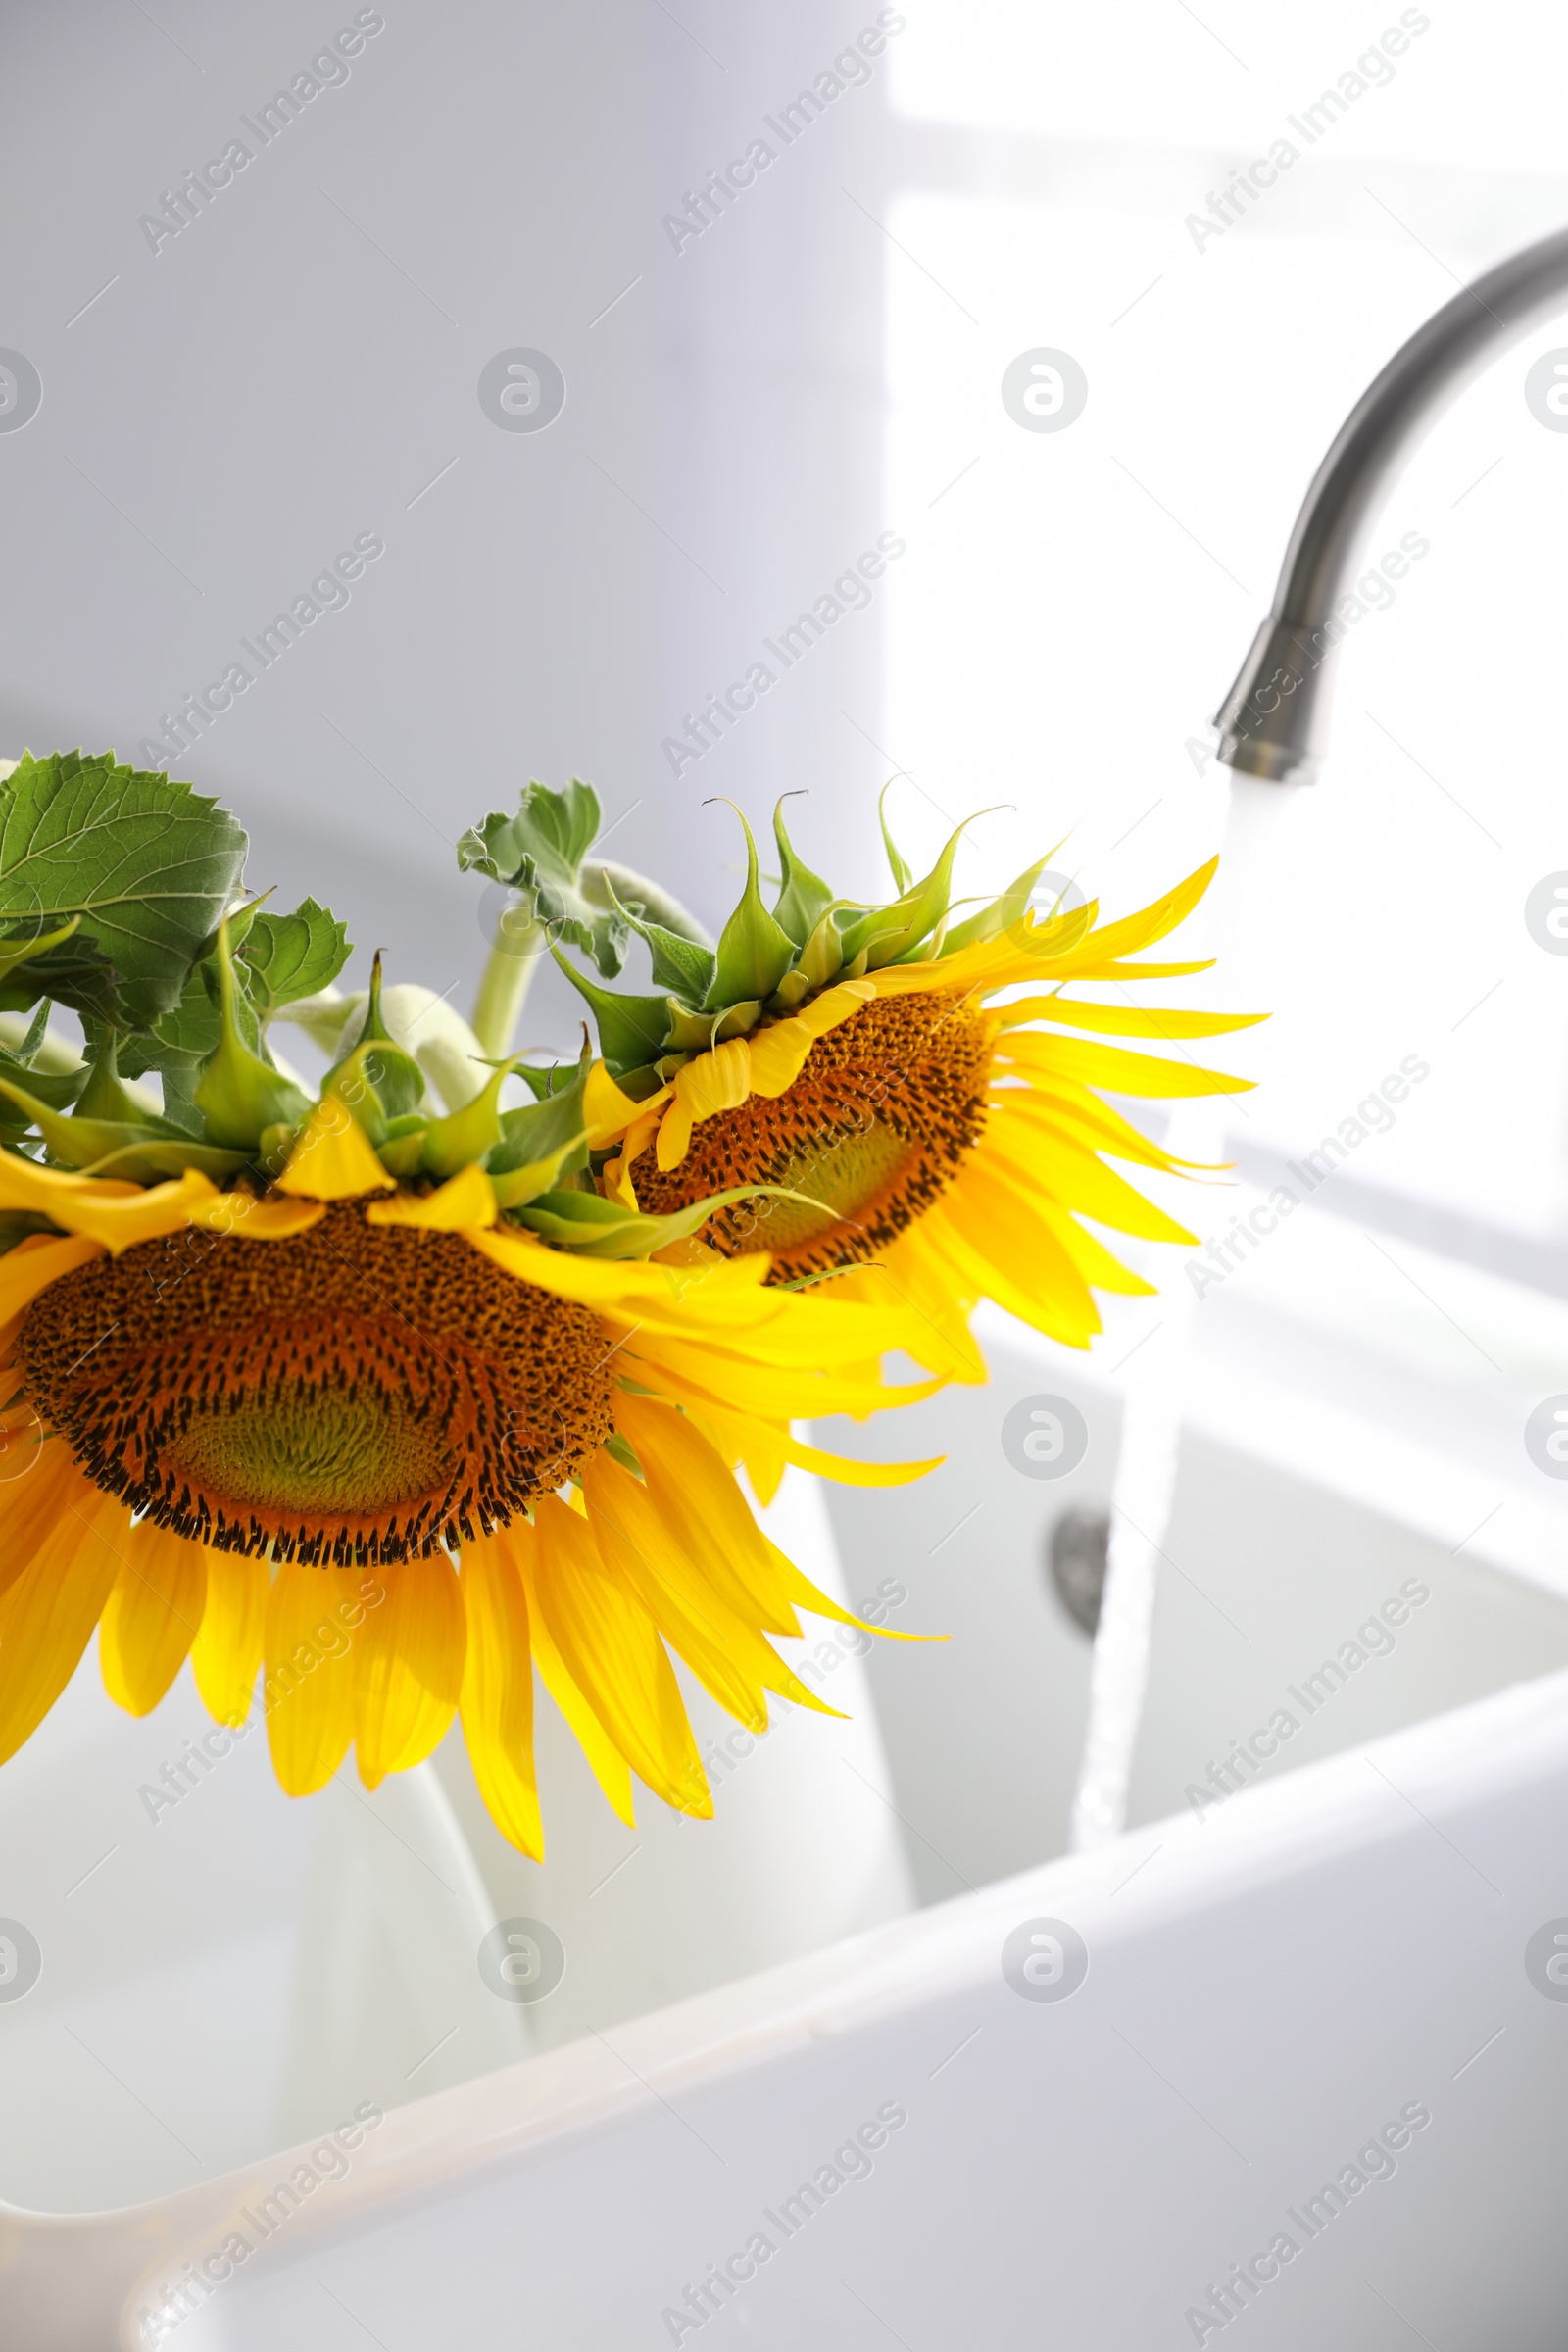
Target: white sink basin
{"points": [[1273, 1977]]}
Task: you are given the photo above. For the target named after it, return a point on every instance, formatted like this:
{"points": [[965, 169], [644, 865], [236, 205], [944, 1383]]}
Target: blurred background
{"points": [[743, 386]]}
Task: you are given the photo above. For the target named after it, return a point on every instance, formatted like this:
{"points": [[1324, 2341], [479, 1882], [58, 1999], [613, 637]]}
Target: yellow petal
{"points": [[227, 1653], [50, 1611], [251, 1220], [617, 1172], [333, 1158], [608, 1113], [639, 1542], [674, 1137], [614, 1654], [312, 1619], [1124, 1020], [720, 1080], [152, 1615], [681, 1467], [408, 1667], [465, 1200], [779, 1052], [24, 1184], [807, 1595], [498, 1689], [849, 1470], [122, 1221], [669, 1298], [1036, 1163], [930, 1288], [36, 1263], [36, 1503], [1015, 1259], [777, 1391], [1139, 930], [1116, 1069], [605, 1761]]}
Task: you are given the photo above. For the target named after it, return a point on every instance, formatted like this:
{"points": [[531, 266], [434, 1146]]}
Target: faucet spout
{"points": [[1274, 721]]}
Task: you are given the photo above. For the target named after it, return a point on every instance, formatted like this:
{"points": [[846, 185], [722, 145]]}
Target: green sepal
{"points": [[689, 1032], [790, 991], [541, 1143], [549, 1079], [103, 1095], [639, 1082], [753, 951], [275, 1149], [594, 1227], [376, 1059], [738, 1020], [469, 1134], [58, 1088], [16, 951], [75, 973], [992, 920], [803, 897], [80, 1142], [156, 1162], [31, 1045], [180, 1042], [401, 1147], [682, 965], [887, 932], [632, 1030], [822, 957], [903, 873], [238, 1093]]}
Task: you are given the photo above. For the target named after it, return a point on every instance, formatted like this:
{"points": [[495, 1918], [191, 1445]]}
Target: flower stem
{"points": [[517, 953], [504, 986]]}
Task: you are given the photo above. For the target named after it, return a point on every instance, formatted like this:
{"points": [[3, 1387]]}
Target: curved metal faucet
{"points": [[1274, 721]]}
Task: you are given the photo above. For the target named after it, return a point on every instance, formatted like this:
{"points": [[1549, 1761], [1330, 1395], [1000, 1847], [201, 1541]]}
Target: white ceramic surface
{"points": [[1267, 1992]]}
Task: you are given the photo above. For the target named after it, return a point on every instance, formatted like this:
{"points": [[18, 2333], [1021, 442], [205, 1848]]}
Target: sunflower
{"points": [[930, 1132], [387, 1406]]}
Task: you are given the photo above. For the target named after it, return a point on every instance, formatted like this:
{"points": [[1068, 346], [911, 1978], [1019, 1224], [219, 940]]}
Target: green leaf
{"points": [[148, 864], [541, 851], [803, 897], [286, 956], [682, 965], [632, 1030], [555, 830], [754, 951]]}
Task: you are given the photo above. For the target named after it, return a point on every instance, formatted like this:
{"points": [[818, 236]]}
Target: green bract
{"points": [[769, 960]]}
